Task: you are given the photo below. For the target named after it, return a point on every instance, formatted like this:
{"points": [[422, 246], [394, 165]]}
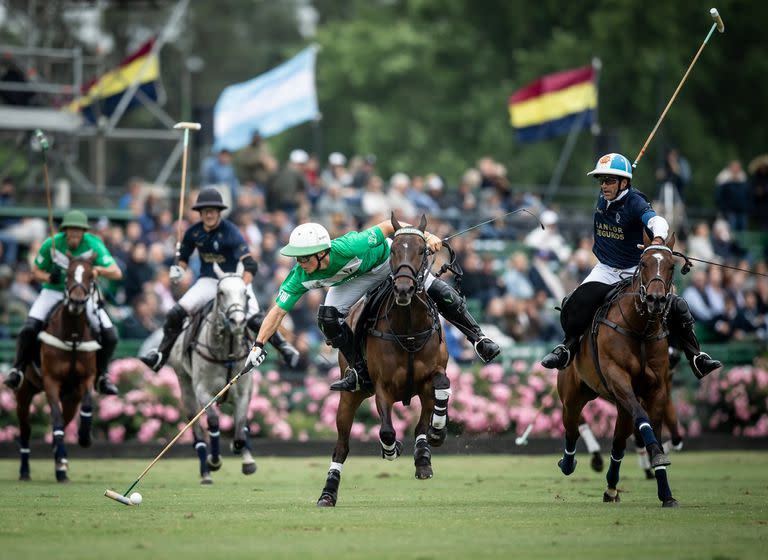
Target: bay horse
{"points": [[406, 356], [625, 360], [67, 366], [204, 361]]}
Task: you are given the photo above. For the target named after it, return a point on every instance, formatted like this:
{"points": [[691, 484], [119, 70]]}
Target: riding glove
{"points": [[256, 357], [55, 276], [176, 273]]}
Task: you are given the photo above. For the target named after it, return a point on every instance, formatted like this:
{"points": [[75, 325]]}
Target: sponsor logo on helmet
{"points": [[604, 159]]}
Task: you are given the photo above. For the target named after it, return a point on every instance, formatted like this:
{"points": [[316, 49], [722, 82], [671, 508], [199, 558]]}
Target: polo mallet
{"points": [[462, 232], [42, 141], [123, 498], [720, 26], [523, 438], [186, 126]]}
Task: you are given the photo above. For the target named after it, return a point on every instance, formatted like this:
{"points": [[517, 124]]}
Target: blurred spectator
{"points": [[549, 239], [336, 172], [698, 300], [723, 243], [287, 188], [331, 204], [23, 286], [132, 196], [733, 196], [138, 272], [676, 170], [420, 199], [462, 202], [517, 282], [255, 163], [141, 322], [374, 201], [219, 170], [479, 281], [699, 243], [398, 197], [366, 170], [758, 169]]}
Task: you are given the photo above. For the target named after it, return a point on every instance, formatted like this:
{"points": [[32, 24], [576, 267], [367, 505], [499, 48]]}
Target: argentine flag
{"points": [[270, 103]]}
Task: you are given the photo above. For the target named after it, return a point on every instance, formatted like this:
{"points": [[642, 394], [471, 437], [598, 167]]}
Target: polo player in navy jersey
{"points": [[217, 241], [621, 216]]}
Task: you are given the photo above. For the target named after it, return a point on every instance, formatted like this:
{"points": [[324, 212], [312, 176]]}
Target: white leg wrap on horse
{"points": [[390, 451], [336, 467], [420, 438], [589, 438], [214, 434], [442, 394], [438, 417]]}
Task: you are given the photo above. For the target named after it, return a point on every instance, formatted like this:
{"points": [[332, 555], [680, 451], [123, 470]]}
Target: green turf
{"points": [[475, 507]]}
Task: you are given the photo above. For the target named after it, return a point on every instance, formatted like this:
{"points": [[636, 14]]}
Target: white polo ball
{"points": [[136, 498]]}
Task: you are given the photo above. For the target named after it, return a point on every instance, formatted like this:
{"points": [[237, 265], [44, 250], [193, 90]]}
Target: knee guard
{"points": [[26, 343], [680, 313], [446, 298], [332, 325]]}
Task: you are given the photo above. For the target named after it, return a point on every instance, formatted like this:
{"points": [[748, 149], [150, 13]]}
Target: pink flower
{"points": [[116, 434]]}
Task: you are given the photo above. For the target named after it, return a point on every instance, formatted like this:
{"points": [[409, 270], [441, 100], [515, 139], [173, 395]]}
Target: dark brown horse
{"points": [[406, 357], [628, 364], [67, 366]]}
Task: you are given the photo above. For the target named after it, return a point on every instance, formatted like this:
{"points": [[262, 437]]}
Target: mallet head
{"points": [[716, 16], [118, 497], [187, 125]]}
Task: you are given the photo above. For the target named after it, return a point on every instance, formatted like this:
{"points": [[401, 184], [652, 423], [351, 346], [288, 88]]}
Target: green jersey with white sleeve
{"points": [[351, 255], [90, 245]]}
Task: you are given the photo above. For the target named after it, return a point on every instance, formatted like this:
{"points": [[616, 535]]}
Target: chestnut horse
{"points": [[406, 357], [68, 369], [625, 360]]}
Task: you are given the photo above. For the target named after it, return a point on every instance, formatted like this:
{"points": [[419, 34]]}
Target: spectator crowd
{"points": [[515, 272]]}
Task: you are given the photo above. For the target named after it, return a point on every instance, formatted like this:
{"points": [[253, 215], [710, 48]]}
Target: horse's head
{"points": [[231, 299], [80, 284], [655, 274], [408, 260]]}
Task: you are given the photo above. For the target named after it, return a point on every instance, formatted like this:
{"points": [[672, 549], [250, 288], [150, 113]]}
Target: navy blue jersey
{"points": [[619, 229], [224, 245]]}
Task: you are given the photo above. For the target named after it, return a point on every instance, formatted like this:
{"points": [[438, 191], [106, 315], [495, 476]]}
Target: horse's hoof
{"points": [[326, 500], [649, 474], [607, 498], [213, 465], [424, 473], [25, 477], [597, 462], [670, 503], [567, 469], [206, 480], [249, 468], [61, 477], [436, 438], [660, 460]]}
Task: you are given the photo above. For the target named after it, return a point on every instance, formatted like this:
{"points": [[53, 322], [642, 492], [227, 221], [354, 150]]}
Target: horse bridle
{"points": [[416, 276], [643, 290], [225, 314], [78, 303]]}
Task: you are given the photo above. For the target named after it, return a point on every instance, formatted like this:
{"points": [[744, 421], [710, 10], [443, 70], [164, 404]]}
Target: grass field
{"points": [[475, 507]]}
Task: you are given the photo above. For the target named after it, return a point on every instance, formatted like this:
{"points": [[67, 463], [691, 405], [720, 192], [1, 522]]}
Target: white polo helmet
{"points": [[613, 164], [307, 239]]}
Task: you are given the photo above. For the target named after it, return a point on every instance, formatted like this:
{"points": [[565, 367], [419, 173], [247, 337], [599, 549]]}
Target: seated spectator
{"points": [[336, 172], [219, 170], [397, 196], [254, 164], [138, 272], [479, 281], [723, 243], [374, 202], [698, 300], [699, 243], [549, 238], [132, 196], [141, 322], [516, 279]]}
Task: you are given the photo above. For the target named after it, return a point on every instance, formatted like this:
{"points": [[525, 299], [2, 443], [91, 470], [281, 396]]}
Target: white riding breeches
{"points": [[47, 299], [608, 275], [344, 296], [204, 290]]}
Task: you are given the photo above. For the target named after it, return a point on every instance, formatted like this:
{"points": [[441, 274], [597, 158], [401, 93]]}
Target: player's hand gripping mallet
{"points": [[186, 127], [720, 26], [135, 498]]}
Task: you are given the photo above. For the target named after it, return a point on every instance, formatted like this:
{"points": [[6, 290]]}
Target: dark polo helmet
{"points": [[209, 197]]}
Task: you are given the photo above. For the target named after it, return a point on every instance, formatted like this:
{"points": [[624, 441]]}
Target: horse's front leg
{"points": [[391, 447], [657, 404], [189, 403], [241, 445], [52, 391], [23, 401], [621, 432], [345, 415], [438, 425], [570, 391], [422, 456], [86, 417]]}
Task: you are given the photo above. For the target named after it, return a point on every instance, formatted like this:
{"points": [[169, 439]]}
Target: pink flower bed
{"points": [[485, 400]]}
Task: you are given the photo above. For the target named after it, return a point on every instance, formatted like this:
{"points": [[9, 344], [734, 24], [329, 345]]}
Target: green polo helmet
{"points": [[75, 219], [307, 239]]}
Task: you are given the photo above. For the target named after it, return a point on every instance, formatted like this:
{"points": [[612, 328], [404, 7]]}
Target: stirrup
{"points": [[714, 364], [105, 386], [495, 350], [13, 379], [350, 382], [556, 354]]}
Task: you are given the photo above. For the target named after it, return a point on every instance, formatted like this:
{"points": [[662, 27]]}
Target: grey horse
{"points": [[220, 347]]}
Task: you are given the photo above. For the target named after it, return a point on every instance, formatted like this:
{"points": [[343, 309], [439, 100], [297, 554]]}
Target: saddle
{"points": [[369, 307]]}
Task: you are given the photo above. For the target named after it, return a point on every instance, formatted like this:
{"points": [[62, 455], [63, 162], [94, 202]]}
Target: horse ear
{"points": [[423, 222], [240, 268], [646, 240], [217, 270], [395, 223], [671, 241]]}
